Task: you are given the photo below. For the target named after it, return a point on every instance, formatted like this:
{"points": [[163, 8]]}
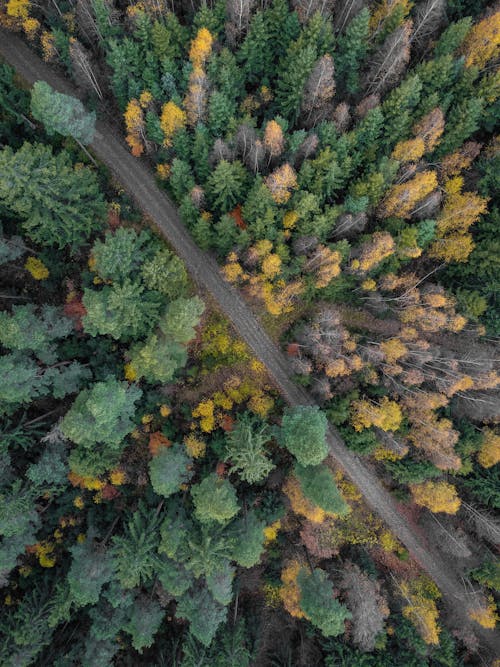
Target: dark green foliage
{"points": [[319, 605], [303, 433], [61, 113], [121, 254], [145, 621], [318, 486], [169, 469], [408, 471], [58, 205], [203, 613], [134, 552], [248, 536], [452, 38], [484, 485], [350, 51], [245, 449], [488, 574], [226, 185], [91, 568], [122, 311], [102, 414], [214, 500]]}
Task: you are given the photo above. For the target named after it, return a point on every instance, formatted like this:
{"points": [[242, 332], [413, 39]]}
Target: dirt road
{"points": [[136, 177]]}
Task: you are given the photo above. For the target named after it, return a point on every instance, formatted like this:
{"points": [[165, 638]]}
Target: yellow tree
{"points": [[386, 415], [380, 246], [436, 496], [409, 151], [273, 139], [134, 123], [325, 263], [420, 608], [172, 119], [201, 47], [483, 42], [281, 182], [430, 128], [489, 454], [402, 198]]}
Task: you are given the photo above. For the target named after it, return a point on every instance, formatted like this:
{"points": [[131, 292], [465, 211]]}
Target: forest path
{"points": [[137, 178]]}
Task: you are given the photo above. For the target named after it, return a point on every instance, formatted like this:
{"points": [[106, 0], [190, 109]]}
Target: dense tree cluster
{"points": [[339, 160]]}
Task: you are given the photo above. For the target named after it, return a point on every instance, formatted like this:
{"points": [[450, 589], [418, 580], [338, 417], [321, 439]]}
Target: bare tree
{"points": [[367, 605], [428, 20], [307, 8], [390, 60], [238, 17], [85, 74], [318, 92], [349, 225], [345, 11]]}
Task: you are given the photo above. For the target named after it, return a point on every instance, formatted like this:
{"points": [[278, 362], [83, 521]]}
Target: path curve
{"points": [[137, 178]]}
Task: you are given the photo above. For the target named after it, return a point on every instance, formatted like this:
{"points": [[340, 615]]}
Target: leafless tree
{"points": [[389, 61], [318, 93], [84, 71]]}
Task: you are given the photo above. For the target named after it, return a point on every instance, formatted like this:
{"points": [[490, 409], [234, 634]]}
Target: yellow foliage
{"points": [[44, 551], [260, 403], [79, 503], [386, 415], [271, 265], [205, 411], [31, 27], [436, 496], [195, 447], [300, 504], [409, 151], [369, 285], [402, 198], [201, 47], [47, 42], [147, 419], [380, 246], [117, 477], [482, 44], [172, 119], [163, 171], [130, 372], [290, 591], [37, 268], [271, 532], [134, 123], [272, 595], [290, 219], [486, 614], [421, 610], [452, 248], [393, 349], [489, 454], [232, 271], [165, 410], [389, 543], [18, 9], [281, 182], [273, 138], [430, 128], [145, 99]]}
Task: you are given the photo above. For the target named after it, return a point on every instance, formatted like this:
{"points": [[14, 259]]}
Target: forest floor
{"points": [[135, 176]]}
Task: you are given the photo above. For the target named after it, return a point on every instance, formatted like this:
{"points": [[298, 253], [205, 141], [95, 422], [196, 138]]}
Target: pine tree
{"points": [[319, 605], [59, 205], [245, 449], [61, 113], [214, 500], [303, 433], [255, 54], [226, 185], [351, 50]]}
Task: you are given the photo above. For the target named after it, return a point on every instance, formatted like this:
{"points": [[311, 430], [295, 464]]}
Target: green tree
{"points": [[102, 414], [24, 329], [122, 310], [318, 485], [214, 500], [318, 603], [245, 449], [145, 621], [157, 359], [135, 552], [165, 273], [22, 381], [120, 254], [59, 204], [169, 469], [255, 55], [220, 111], [226, 185], [293, 74], [303, 433], [462, 121], [248, 539], [61, 113], [351, 50], [180, 319], [181, 179], [91, 568], [203, 613], [451, 39]]}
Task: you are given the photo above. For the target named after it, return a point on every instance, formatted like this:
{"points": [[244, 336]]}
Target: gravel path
{"points": [[137, 178]]}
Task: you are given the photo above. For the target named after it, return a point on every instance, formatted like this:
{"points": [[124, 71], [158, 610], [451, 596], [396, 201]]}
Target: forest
{"points": [[162, 503]]}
